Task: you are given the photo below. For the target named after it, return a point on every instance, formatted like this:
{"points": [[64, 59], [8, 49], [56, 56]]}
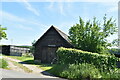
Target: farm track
{"points": [[34, 68]]}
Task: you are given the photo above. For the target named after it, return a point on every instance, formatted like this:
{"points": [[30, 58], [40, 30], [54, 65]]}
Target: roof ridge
{"points": [[62, 34], [59, 30]]}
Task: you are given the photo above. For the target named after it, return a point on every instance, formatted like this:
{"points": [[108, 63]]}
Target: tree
{"points": [[91, 36], [116, 42], [33, 48], [3, 34]]}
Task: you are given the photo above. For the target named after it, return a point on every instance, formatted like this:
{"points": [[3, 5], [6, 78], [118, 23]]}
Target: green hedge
{"points": [[74, 56]]}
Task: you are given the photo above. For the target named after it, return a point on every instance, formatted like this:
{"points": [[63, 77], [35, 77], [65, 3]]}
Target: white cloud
{"points": [[61, 8], [113, 9], [24, 27], [11, 17], [5, 16], [51, 5], [30, 7]]}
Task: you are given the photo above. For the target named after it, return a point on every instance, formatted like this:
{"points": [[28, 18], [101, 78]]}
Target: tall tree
{"points": [[3, 34], [91, 35], [116, 42]]}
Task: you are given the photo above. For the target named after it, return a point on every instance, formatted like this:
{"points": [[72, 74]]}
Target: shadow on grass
{"points": [[29, 62], [32, 62]]}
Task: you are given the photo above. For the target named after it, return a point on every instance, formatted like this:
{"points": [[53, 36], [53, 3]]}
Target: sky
{"points": [[28, 20]]}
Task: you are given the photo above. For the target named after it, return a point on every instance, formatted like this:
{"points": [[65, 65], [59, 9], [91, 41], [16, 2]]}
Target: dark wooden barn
{"points": [[48, 43]]}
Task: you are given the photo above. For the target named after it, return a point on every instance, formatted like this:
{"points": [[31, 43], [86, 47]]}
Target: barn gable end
{"points": [[48, 43]]}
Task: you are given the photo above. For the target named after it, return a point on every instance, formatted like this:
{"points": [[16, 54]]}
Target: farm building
{"points": [[48, 43], [13, 50]]}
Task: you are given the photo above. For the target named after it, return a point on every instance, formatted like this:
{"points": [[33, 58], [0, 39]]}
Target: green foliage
{"points": [[114, 51], [91, 36], [81, 71], [3, 63], [77, 64], [73, 56], [27, 55], [115, 42], [22, 58], [32, 49], [57, 69], [3, 35], [113, 74]]}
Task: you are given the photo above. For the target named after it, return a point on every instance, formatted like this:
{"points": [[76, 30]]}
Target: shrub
{"points": [[81, 71], [57, 69], [76, 71], [27, 55], [3, 63], [113, 74], [74, 56]]}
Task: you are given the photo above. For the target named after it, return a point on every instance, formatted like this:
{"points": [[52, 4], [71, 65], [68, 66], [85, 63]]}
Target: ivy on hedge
{"points": [[74, 56]]}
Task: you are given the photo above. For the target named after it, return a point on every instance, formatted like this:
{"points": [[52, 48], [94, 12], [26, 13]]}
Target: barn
{"points": [[12, 50], [48, 43]]}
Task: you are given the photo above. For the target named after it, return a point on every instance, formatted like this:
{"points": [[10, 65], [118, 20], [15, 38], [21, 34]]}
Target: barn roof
{"points": [[65, 36], [62, 34]]}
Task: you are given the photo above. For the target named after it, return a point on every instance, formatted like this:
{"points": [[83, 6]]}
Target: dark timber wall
{"points": [[6, 49], [47, 45]]}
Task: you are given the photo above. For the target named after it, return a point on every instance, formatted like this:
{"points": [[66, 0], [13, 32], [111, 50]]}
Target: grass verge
{"points": [[22, 67], [3, 64], [22, 58]]}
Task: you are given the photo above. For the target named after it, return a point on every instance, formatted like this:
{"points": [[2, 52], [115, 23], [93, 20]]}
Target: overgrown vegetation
{"points": [[77, 64], [92, 35], [3, 64]]}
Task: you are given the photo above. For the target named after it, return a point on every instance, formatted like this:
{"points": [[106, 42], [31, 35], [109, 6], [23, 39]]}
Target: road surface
{"points": [[15, 74]]}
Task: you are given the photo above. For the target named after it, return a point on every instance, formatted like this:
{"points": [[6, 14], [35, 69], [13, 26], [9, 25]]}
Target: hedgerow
{"points": [[74, 56]]}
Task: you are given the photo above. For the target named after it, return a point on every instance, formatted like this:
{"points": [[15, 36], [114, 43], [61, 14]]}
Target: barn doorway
{"points": [[49, 54]]}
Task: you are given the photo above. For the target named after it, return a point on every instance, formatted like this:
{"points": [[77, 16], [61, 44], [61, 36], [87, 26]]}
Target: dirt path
{"points": [[34, 68], [14, 67]]}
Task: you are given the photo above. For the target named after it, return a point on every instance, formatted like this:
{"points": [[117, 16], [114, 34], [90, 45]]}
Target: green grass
{"points": [[22, 58], [3, 64], [39, 65], [46, 66]]}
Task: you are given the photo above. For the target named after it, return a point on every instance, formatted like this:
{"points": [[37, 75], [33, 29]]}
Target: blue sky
{"points": [[27, 21]]}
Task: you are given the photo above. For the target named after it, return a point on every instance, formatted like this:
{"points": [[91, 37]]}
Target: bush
{"points": [[74, 56], [27, 55], [3, 63], [76, 71], [113, 74], [81, 71], [77, 64], [57, 69]]}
